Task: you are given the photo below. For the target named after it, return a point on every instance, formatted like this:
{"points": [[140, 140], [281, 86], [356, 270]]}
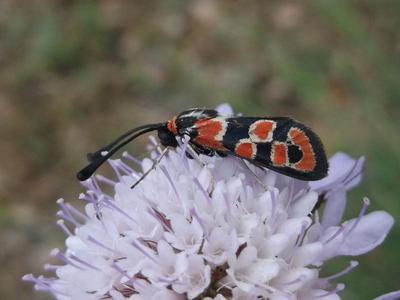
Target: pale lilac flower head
{"points": [[210, 228]]}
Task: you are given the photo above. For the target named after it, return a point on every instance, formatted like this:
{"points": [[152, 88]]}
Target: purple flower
{"points": [[210, 228]]}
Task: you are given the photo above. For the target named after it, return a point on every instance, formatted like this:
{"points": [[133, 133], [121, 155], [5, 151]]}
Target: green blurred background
{"points": [[75, 74]]}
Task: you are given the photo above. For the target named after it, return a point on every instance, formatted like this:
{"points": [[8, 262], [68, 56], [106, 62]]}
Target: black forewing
{"points": [[238, 128], [321, 168]]}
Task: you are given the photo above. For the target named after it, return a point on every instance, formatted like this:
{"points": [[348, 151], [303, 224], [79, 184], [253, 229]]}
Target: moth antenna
{"points": [[104, 153], [99, 153]]}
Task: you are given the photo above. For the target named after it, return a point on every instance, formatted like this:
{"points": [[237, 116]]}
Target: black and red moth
{"points": [[280, 144]]}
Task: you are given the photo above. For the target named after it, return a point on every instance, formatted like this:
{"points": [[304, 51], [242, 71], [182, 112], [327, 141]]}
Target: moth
{"points": [[281, 144]]}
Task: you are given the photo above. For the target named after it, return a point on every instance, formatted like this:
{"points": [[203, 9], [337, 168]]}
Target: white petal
{"points": [[116, 295], [368, 234], [218, 245], [240, 284], [342, 169], [294, 279], [166, 295], [334, 208], [196, 278], [332, 239], [274, 245], [247, 256], [303, 206], [147, 164], [280, 296], [165, 252], [313, 233], [245, 224], [319, 295], [264, 270], [75, 243], [307, 254], [224, 109], [197, 290], [389, 296], [218, 297], [356, 174], [293, 227]]}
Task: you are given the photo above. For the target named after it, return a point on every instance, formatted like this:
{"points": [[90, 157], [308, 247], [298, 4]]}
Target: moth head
{"points": [[167, 138]]}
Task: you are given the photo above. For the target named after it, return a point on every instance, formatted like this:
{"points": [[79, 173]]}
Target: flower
{"points": [[210, 228]]}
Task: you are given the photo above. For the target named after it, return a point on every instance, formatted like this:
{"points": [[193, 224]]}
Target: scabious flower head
{"points": [[210, 228]]}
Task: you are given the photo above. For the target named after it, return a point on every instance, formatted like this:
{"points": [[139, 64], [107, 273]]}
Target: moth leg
{"points": [[188, 155], [155, 163], [202, 150], [198, 150], [221, 153], [194, 154], [193, 149]]}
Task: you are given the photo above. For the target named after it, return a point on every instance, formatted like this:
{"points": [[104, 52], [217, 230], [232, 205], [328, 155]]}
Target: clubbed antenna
{"points": [[97, 158]]}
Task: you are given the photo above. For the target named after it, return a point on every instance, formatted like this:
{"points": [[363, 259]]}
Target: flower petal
{"points": [[389, 296], [273, 245], [225, 110], [343, 169], [264, 270], [294, 279], [319, 295], [303, 206], [368, 233], [334, 208], [307, 254], [293, 227]]}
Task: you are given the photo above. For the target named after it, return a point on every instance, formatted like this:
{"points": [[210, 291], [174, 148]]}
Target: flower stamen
{"points": [[348, 269]]}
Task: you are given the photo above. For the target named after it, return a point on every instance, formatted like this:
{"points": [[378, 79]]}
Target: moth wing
{"points": [[280, 144], [209, 133]]}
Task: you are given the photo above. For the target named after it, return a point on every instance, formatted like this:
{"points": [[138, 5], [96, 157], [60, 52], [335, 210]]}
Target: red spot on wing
{"points": [[299, 138], [262, 130], [171, 125], [210, 133], [279, 154], [246, 149]]}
